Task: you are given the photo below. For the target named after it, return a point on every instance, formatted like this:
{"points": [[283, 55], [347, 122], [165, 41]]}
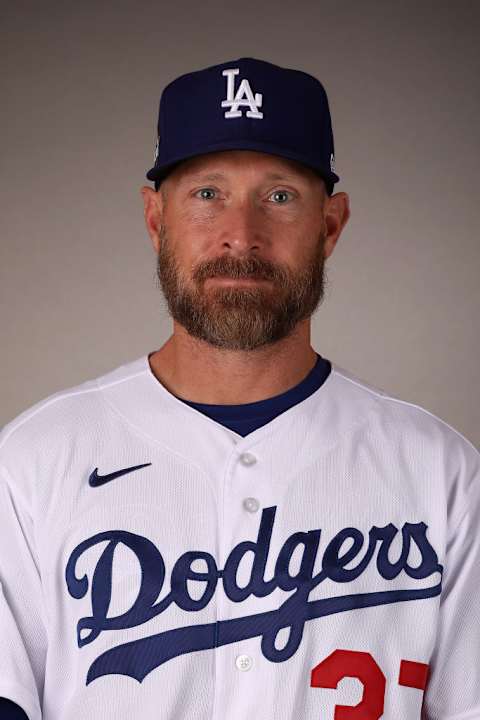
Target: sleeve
{"points": [[453, 689], [23, 636], [11, 711]]}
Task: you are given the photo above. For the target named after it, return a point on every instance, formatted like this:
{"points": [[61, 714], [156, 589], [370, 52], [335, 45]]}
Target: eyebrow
{"points": [[220, 176]]}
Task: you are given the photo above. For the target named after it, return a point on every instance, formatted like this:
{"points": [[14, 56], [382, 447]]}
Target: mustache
{"points": [[227, 266]]}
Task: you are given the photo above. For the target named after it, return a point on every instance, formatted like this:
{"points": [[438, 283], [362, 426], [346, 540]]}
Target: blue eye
{"points": [[280, 192], [205, 190]]}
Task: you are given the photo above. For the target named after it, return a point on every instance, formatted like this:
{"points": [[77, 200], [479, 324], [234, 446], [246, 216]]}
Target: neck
{"points": [[196, 371]]}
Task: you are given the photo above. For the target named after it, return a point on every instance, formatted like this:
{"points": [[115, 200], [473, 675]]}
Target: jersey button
{"points": [[244, 662], [251, 504], [248, 459]]}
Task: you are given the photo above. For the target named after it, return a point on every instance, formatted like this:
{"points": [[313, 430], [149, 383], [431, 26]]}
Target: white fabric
{"points": [[81, 567]]}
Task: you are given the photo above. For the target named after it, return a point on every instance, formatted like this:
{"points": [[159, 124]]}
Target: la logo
{"points": [[244, 97]]}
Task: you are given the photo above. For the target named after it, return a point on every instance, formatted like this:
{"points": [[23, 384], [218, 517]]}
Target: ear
{"points": [[336, 214], [153, 213]]}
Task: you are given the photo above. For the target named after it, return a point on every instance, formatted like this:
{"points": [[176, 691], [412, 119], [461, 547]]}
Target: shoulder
{"points": [[413, 443], [62, 415], [399, 415], [419, 442]]}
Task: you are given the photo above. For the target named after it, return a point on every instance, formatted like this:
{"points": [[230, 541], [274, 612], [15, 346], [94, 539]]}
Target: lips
{"points": [[247, 280]]}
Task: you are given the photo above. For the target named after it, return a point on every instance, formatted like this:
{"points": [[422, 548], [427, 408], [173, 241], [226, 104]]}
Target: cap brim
{"points": [[159, 172]]}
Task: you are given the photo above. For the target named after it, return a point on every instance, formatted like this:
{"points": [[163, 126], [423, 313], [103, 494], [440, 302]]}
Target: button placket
{"points": [[250, 504], [243, 509]]}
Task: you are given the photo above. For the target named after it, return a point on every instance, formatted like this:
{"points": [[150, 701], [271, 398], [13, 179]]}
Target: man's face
{"points": [[241, 259]]}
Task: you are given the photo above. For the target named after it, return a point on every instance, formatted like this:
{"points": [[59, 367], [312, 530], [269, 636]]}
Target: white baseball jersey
{"points": [[156, 565]]}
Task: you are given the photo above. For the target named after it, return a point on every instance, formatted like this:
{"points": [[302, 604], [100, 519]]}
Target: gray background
{"points": [[80, 99]]}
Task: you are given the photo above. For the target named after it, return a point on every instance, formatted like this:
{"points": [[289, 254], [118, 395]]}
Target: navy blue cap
{"points": [[245, 104]]}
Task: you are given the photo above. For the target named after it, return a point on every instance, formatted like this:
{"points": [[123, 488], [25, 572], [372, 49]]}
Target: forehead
{"points": [[229, 162]]}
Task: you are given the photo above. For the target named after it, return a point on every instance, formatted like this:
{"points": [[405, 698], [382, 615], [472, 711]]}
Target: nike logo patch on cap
{"points": [[95, 480]]}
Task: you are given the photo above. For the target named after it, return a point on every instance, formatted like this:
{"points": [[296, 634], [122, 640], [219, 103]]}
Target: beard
{"points": [[241, 317]]}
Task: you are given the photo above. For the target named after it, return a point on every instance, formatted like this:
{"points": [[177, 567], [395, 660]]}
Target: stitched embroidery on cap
{"points": [[244, 97]]}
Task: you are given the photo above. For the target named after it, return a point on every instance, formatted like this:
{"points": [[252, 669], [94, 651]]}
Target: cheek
{"points": [[196, 215], [190, 254]]}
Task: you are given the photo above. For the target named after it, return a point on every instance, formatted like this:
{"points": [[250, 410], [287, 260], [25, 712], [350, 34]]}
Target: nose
{"points": [[243, 229]]}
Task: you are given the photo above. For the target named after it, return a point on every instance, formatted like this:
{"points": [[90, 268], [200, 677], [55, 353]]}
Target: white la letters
{"points": [[244, 97]]}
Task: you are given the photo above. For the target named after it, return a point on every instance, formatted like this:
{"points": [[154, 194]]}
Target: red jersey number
{"points": [[361, 665], [349, 663]]}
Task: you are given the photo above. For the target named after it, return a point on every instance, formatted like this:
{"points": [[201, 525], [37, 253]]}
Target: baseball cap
{"points": [[245, 104]]}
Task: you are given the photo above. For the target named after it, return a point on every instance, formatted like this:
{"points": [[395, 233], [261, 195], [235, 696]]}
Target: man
{"points": [[233, 526]]}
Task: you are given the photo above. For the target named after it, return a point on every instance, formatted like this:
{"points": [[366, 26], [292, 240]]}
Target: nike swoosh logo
{"points": [[95, 480]]}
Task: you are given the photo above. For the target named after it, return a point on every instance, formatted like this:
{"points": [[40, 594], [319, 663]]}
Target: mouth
{"points": [[238, 281]]}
